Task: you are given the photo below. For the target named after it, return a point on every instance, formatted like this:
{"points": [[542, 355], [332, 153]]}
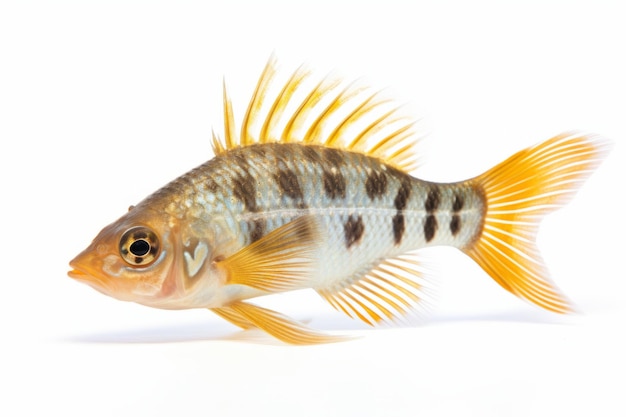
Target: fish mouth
{"points": [[78, 274], [89, 279], [82, 276]]}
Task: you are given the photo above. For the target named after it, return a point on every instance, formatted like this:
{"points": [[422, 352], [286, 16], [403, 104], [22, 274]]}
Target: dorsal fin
{"points": [[331, 113]]}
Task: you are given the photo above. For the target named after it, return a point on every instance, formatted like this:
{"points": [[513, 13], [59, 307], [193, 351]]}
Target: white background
{"points": [[103, 102]]}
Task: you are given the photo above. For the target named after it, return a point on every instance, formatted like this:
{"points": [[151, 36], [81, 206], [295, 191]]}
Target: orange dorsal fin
{"points": [[328, 113]]}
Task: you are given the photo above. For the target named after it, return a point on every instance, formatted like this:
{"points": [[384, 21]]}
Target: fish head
{"points": [[150, 258]]}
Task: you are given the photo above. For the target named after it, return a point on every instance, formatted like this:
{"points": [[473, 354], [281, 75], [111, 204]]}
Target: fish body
{"points": [[330, 209]]}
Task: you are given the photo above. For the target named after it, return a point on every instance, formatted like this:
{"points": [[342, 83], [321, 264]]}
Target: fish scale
{"points": [[236, 193], [321, 197]]}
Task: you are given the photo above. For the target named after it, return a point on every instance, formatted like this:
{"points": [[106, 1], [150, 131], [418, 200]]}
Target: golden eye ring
{"points": [[139, 246]]}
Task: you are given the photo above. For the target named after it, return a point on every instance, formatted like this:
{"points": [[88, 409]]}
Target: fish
{"points": [[315, 192]]}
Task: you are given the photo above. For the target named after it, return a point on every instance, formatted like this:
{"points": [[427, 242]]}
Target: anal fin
{"points": [[248, 316], [390, 290]]}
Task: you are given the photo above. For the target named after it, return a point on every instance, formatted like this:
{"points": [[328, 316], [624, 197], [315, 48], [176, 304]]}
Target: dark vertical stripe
{"points": [[311, 154], [332, 157], [353, 230], [244, 188], [455, 222], [334, 184], [402, 197], [257, 230], [458, 203], [431, 205], [288, 182], [376, 184], [400, 202], [430, 227], [244, 184], [398, 228], [433, 200]]}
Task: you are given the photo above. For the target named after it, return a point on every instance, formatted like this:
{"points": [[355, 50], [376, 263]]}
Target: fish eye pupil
{"points": [[139, 247]]}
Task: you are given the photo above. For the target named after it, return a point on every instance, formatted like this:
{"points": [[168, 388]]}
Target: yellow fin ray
{"points": [[233, 317], [348, 117], [279, 105], [313, 135], [364, 107], [390, 290], [247, 316], [230, 132], [394, 147], [360, 141], [279, 261], [216, 143], [298, 119], [254, 107], [518, 193]]}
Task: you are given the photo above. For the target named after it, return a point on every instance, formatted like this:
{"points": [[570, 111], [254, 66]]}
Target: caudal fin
{"points": [[519, 192]]}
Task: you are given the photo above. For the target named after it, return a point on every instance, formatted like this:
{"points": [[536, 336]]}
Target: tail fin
{"points": [[519, 192]]}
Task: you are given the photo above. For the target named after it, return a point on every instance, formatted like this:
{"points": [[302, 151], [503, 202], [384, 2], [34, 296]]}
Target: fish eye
{"points": [[139, 246]]}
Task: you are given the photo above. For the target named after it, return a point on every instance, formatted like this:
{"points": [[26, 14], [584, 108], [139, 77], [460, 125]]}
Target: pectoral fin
{"points": [[281, 327], [279, 261]]}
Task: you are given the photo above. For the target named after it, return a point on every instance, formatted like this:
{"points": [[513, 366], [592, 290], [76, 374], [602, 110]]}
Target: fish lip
{"points": [[86, 278], [78, 274]]}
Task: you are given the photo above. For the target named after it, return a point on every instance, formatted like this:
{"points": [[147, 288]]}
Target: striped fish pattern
{"points": [[321, 201]]}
